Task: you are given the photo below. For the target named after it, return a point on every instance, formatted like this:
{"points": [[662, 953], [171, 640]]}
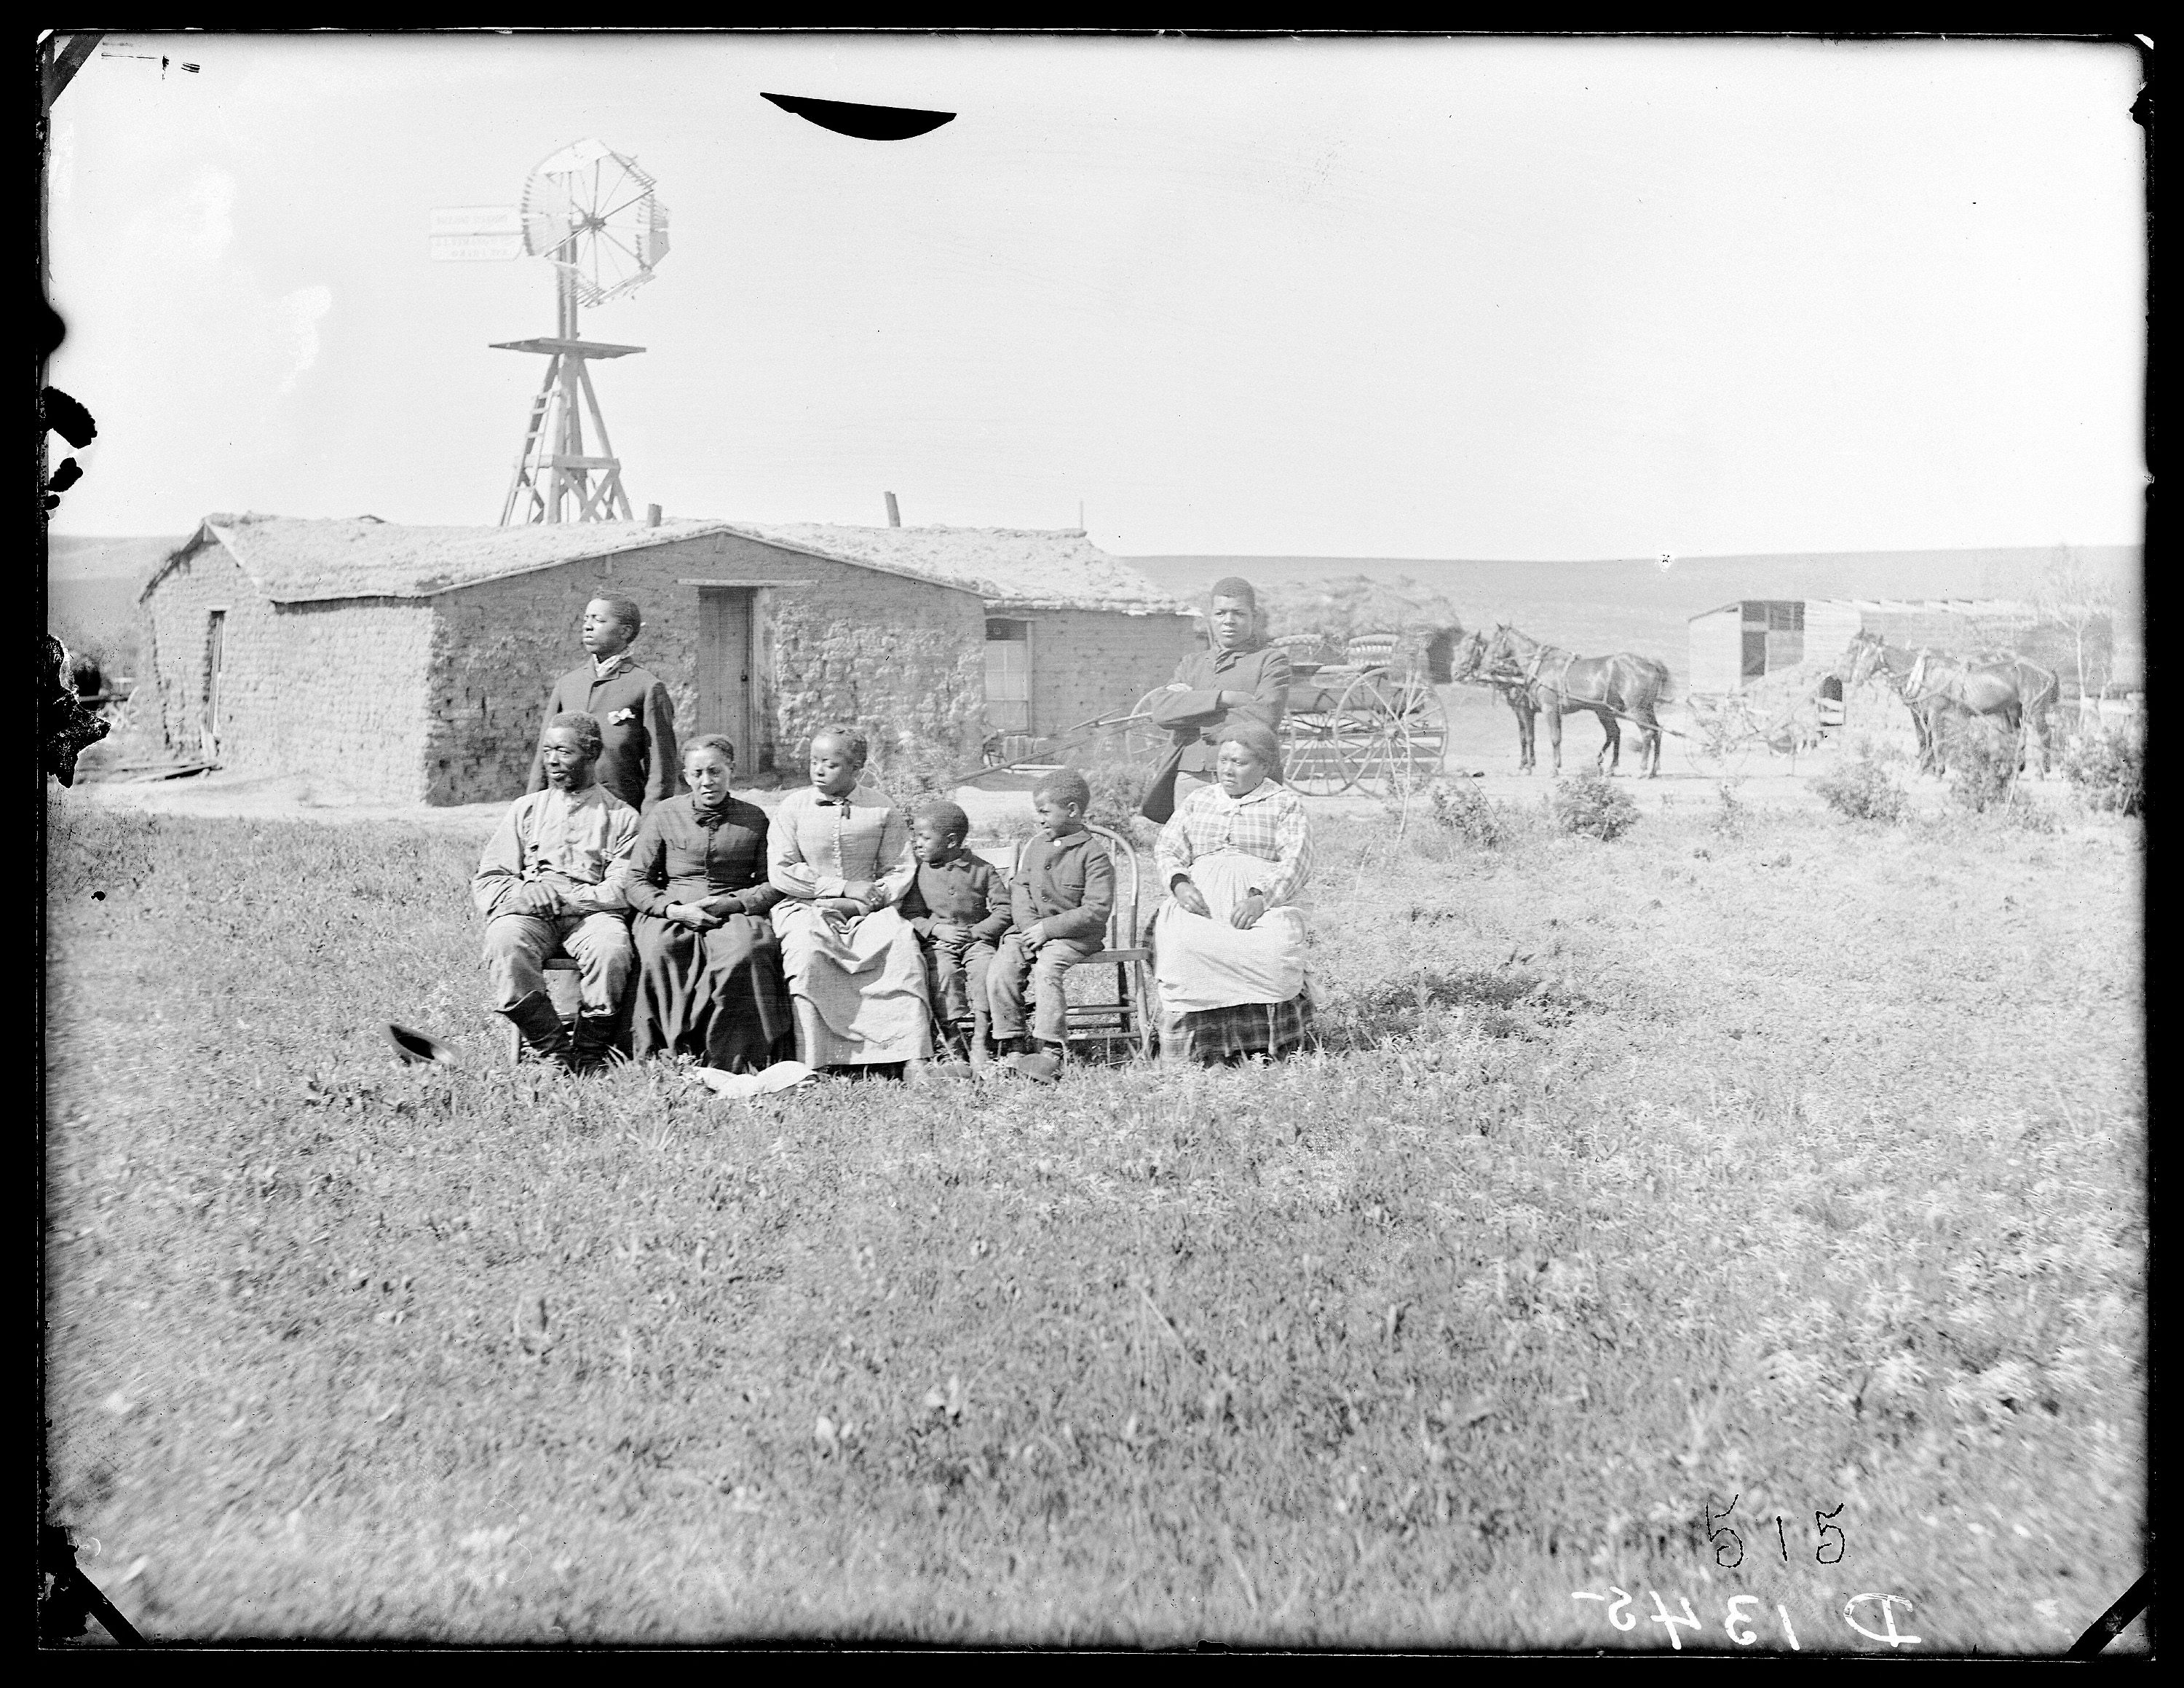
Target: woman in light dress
{"points": [[839, 853], [1228, 946]]}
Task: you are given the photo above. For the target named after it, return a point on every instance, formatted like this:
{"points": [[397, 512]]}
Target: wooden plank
{"points": [[578, 348], [738, 583]]}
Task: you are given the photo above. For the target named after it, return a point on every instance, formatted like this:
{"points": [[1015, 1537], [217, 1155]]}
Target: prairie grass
{"points": [[1802, 1165]]}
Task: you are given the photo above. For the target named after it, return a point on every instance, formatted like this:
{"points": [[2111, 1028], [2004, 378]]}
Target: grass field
{"points": [[1791, 1161]]}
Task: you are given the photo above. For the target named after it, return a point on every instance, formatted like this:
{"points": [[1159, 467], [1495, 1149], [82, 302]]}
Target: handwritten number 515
{"points": [[1729, 1546]]}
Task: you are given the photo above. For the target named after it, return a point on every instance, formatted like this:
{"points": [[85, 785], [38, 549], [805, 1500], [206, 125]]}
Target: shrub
{"points": [[1982, 765], [908, 767], [1118, 789], [2107, 770], [1865, 790], [1734, 817], [1458, 809], [1591, 805]]}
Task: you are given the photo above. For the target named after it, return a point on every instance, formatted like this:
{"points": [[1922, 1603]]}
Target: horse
{"points": [[1934, 686], [1614, 687], [1467, 664]]}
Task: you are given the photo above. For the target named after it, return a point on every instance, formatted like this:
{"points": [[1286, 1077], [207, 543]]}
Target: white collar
{"points": [[604, 667]]}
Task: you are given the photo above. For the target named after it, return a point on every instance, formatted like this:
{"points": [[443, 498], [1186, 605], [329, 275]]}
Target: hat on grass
{"points": [[415, 1048]]}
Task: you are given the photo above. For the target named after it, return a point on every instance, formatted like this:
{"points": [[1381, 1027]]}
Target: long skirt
{"points": [[1232, 991], [858, 996], [716, 995]]}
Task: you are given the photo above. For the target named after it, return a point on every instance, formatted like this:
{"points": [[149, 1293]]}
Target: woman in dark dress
{"points": [[709, 968]]}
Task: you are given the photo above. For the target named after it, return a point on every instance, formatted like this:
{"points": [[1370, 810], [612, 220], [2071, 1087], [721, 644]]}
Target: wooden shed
{"points": [[414, 663], [1738, 643]]}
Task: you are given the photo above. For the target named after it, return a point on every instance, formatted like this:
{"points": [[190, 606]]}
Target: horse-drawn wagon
{"points": [[1362, 724]]}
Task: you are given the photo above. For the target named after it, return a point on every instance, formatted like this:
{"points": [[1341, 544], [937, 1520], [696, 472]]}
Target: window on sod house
{"points": [[1008, 676]]}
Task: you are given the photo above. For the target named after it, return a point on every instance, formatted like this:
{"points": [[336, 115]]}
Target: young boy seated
{"points": [[959, 907], [1064, 891]]}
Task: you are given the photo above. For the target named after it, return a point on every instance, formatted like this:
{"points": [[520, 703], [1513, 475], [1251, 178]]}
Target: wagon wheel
{"points": [[1323, 749], [1385, 762], [1717, 744], [1425, 726], [1140, 740]]}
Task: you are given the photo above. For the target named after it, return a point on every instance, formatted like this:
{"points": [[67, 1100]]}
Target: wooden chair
{"points": [[1128, 1017]]}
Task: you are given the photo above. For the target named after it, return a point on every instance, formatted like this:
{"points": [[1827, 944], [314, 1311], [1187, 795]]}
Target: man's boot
{"points": [[593, 1046], [541, 1028]]}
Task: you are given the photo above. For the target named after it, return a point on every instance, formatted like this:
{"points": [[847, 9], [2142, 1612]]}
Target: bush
{"points": [[1865, 790], [908, 767], [1118, 789], [2107, 770], [1735, 818], [1982, 765], [1458, 809], [1591, 805]]}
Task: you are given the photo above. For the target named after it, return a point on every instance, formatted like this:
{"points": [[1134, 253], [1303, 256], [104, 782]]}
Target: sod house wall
{"points": [[328, 688], [1086, 663], [833, 641]]}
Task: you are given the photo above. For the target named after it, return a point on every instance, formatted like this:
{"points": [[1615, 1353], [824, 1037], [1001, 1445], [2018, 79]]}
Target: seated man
{"points": [[550, 882], [1061, 900]]}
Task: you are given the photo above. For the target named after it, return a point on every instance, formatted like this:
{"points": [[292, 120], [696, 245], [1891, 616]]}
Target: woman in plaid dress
{"points": [[1228, 946]]}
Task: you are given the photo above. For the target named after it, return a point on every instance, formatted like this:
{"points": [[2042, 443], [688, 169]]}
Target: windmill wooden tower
{"points": [[593, 212]]}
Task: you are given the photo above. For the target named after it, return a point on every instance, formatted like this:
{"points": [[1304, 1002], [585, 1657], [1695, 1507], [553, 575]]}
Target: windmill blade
{"points": [[865, 122]]}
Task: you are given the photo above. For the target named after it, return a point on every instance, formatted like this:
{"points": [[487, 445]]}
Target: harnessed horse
{"points": [[1934, 686], [1555, 681], [1469, 664]]}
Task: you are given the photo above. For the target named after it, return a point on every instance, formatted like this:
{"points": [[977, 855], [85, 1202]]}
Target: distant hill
{"points": [[70, 557], [91, 591], [1634, 604]]}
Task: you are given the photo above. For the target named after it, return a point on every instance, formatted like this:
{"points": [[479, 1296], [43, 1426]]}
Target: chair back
{"points": [[1122, 918]]}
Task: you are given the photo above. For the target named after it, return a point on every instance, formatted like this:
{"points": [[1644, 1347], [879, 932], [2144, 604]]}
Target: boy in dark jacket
{"points": [[638, 762], [1063, 894], [959, 907]]}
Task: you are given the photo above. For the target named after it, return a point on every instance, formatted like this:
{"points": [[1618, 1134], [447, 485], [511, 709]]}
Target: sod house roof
{"points": [[296, 561]]}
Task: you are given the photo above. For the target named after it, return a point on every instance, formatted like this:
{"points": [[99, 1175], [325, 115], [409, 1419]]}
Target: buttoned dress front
{"points": [[716, 994], [857, 989]]}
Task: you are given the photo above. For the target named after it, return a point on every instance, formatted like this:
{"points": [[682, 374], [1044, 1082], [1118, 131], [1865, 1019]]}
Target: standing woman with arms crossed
{"points": [[1239, 678]]}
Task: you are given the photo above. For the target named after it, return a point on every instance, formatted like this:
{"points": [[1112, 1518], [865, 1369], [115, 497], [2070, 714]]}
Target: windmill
{"points": [[592, 213]]}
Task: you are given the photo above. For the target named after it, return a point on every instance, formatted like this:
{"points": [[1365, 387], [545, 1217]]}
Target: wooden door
{"points": [[215, 649], [725, 664]]}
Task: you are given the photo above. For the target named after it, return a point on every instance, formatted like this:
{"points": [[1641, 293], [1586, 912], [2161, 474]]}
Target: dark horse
{"points": [[1618, 688], [1469, 664], [1936, 687]]}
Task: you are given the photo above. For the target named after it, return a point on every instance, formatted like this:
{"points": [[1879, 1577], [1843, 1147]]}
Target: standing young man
{"points": [[1240, 677], [636, 718]]}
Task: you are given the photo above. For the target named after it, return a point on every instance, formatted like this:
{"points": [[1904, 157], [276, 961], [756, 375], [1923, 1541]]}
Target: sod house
{"points": [[414, 663]]}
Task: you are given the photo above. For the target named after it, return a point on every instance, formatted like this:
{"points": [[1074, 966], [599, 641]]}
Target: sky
{"points": [[1511, 299]]}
